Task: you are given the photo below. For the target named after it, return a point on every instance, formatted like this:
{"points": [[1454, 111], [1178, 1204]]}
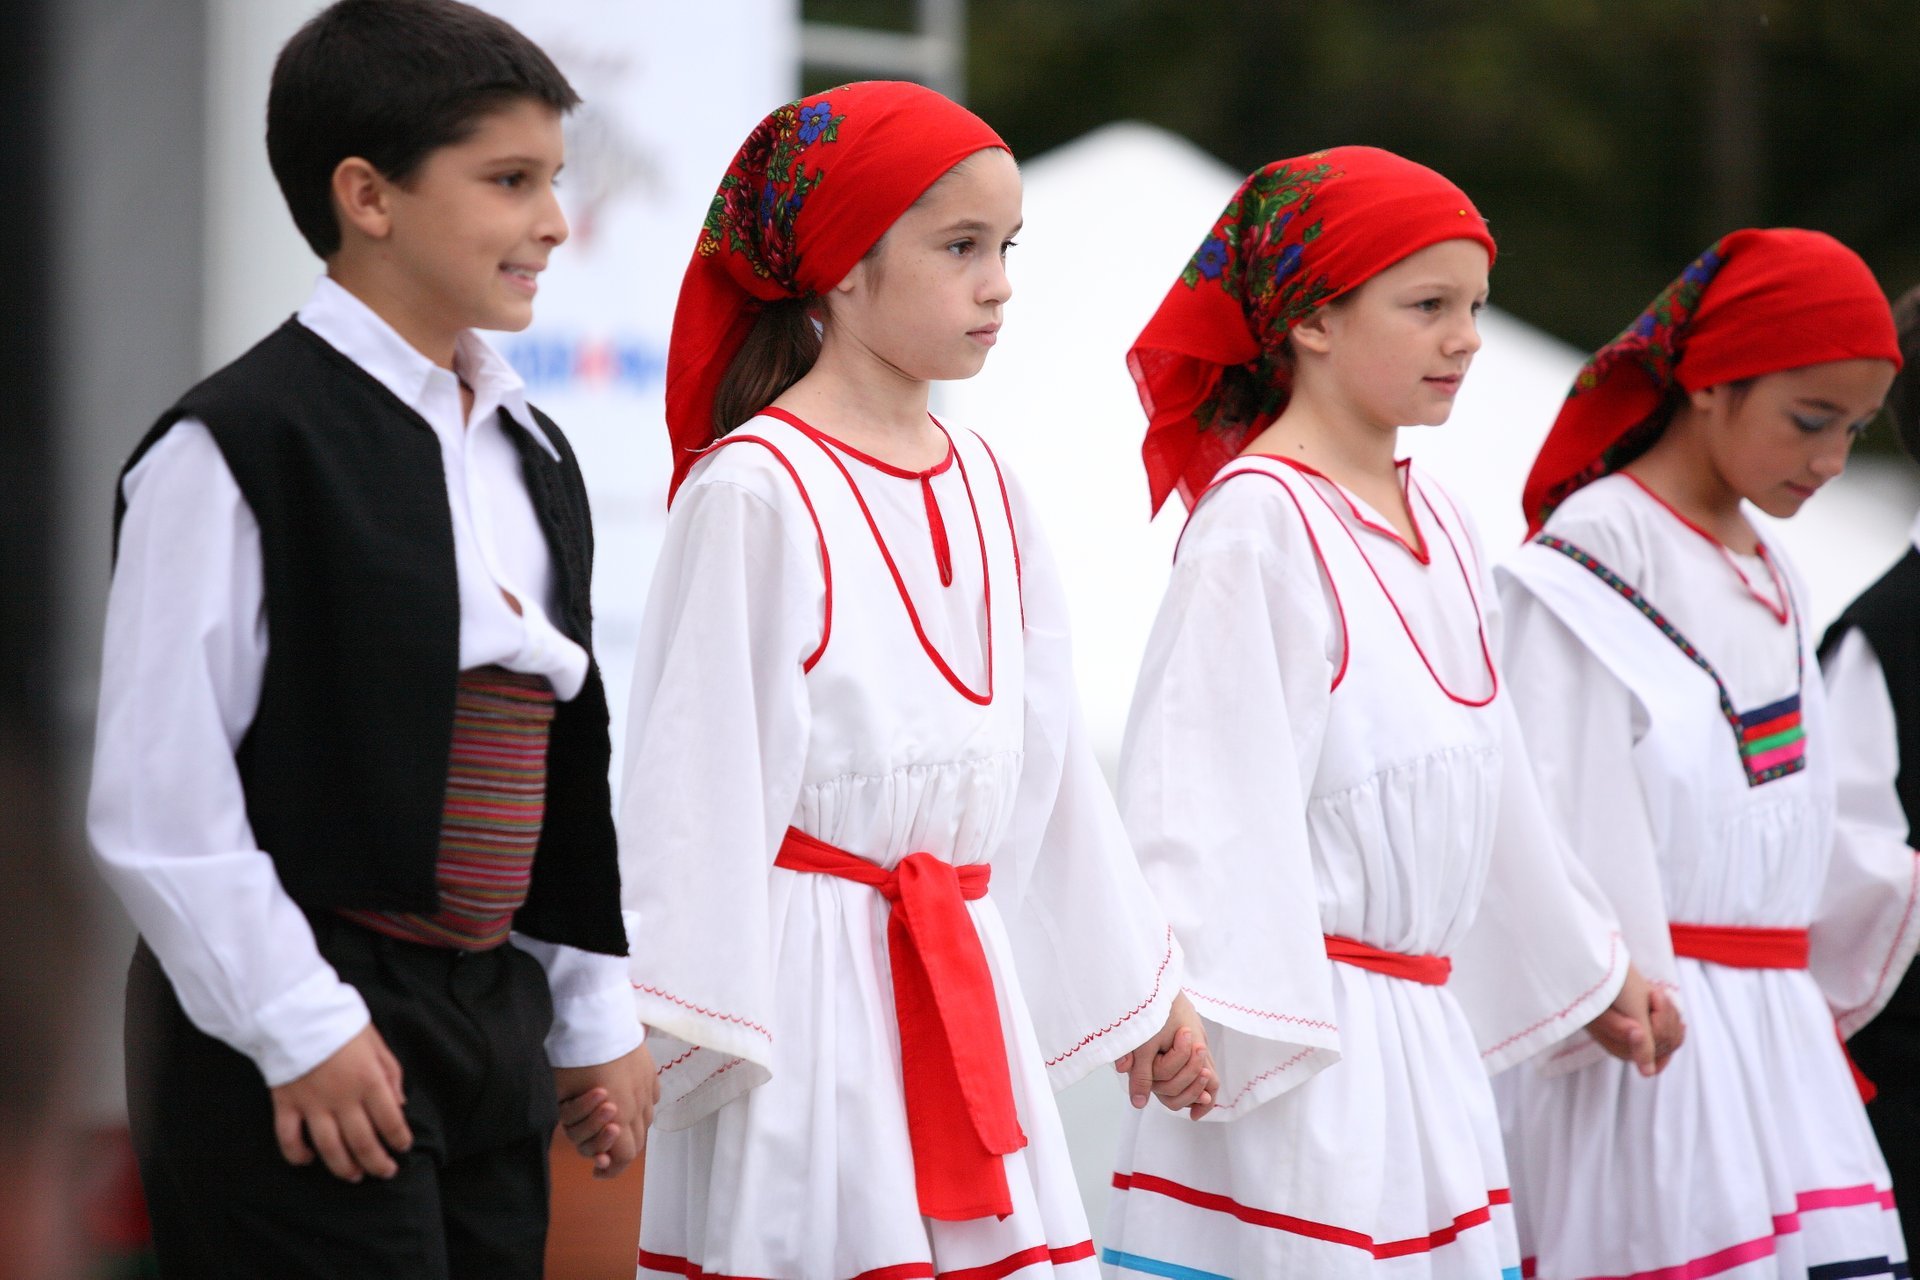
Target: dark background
{"points": [[1608, 143]]}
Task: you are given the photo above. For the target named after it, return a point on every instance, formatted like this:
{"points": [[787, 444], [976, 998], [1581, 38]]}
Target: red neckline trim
{"points": [[1479, 615], [887, 468], [826, 560], [1780, 609], [1313, 540], [1418, 548], [827, 446]]}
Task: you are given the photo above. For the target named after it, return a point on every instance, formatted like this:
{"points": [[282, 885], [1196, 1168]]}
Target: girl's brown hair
{"points": [[781, 347]]}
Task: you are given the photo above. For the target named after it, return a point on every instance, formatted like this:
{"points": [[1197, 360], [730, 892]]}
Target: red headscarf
{"points": [[813, 187], [1757, 302], [1296, 235]]}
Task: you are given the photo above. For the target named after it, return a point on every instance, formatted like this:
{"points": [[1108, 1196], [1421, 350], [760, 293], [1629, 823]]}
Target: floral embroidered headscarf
{"points": [[1296, 235], [1756, 302], [814, 186]]}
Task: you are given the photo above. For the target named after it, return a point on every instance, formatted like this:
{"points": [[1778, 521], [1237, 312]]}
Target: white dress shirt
{"points": [[184, 657]]}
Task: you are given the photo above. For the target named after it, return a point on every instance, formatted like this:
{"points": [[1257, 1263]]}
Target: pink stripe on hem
{"points": [[1732, 1256]]}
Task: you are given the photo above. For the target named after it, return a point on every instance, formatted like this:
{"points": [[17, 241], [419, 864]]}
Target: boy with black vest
{"points": [[351, 774], [1871, 657]]}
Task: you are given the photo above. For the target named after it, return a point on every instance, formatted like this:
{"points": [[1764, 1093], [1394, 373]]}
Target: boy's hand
{"points": [[606, 1109], [1174, 1065], [348, 1109], [1642, 1026]]}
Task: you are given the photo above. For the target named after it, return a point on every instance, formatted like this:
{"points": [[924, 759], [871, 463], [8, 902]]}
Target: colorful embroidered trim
{"points": [[495, 807], [1772, 740]]}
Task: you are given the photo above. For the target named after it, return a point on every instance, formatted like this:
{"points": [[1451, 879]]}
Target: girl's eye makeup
{"points": [[1006, 245], [960, 247], [1812, 425]]}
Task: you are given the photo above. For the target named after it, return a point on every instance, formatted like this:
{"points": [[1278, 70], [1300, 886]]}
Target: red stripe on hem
{"points": [[1216, 1203], [900, 1271]]}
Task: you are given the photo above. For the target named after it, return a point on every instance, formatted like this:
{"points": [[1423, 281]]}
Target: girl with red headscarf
{"points": [[1662, 659], [852, 716], [1323, 775]]}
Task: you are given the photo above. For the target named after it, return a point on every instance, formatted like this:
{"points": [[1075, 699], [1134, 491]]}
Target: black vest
{"points": [[345, 763], [1888, 614]]}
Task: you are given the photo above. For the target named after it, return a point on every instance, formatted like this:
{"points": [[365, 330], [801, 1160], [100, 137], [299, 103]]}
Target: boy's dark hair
{"points": [[391, 81], [1903, 400]]}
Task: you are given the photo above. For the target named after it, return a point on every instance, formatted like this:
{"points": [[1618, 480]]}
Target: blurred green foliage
{"points": [[1608, 143]]}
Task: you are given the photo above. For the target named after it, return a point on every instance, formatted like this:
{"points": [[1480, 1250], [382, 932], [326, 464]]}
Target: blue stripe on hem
{"points": [[1510, 1273], [1854, 1269], [1171, 1270]]}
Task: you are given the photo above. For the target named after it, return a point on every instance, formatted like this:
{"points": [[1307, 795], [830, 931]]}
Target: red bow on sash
{"points": [[1741, 948], [953, 1053]]}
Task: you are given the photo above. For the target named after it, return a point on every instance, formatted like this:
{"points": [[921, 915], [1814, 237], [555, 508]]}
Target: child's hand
{"points": [[1669, 1028], [348, 1109], [1175, 1065], [1642, 1026], [605, 1109]]}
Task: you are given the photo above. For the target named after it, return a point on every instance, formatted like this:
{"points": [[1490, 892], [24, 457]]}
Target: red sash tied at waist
{"points": [[1432, 970], [1743, 948], [959, 1091]]}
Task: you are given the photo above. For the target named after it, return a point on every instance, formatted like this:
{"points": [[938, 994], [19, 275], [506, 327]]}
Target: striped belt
{"points": [[961, 1119], [1431, 970], [491, 821]]}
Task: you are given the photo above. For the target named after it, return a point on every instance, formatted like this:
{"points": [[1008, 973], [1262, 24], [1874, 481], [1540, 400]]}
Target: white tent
{"points": [[1110, 220], [1058, 405]]}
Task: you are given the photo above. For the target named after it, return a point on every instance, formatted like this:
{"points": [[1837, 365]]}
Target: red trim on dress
{"points": [[1418, 548], [1130, 1014], [826, 562], [1013, 534], [828, 445], [711, 1013], [1313, 539], [1215, 1203], [1613, 955], [998, 1270], [1479, 615], [1780, 608]]}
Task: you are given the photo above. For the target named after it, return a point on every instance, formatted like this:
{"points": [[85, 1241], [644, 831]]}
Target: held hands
{"points": [[1642, 1026], [348, 1109], [606, 1109], [1174, 1065]]}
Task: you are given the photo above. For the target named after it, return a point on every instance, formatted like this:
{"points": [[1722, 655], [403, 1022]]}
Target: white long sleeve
{"points": [[186, 645]]}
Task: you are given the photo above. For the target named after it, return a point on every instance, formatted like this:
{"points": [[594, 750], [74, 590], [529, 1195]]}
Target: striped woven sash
{"points": [[496, 803]]}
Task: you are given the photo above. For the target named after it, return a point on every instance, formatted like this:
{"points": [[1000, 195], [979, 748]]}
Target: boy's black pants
{"points": [[470, 1199]]}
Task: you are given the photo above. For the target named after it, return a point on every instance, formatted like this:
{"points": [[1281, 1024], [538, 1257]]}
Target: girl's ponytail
{"points": [[781, 347]]}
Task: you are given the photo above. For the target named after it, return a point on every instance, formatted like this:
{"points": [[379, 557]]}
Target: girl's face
{"points": [[1397, 348], [927, 302], [1778, 438]]}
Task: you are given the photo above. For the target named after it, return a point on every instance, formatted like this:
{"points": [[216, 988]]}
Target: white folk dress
{"points": [[1319, 746], [811, 657], [1750, 1156]]}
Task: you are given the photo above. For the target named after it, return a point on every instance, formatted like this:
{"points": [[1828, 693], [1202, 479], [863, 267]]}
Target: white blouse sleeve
{"points": [[716, 745], [1098, 961], [1866, 929], [181, 668], [1572, 728], [1219, 758]]}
